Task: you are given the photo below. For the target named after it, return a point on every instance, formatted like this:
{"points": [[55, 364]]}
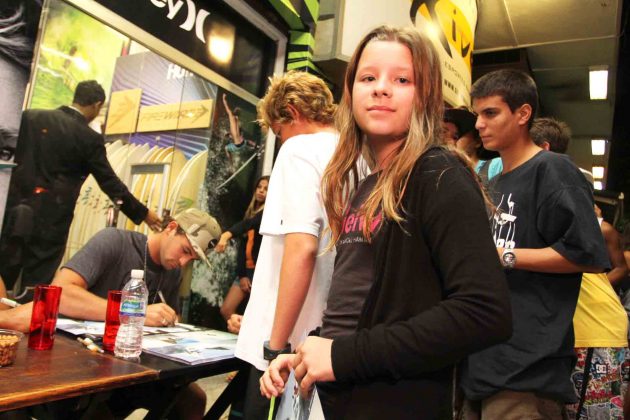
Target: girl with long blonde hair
{"points": [[248, 252], [417, 283]]}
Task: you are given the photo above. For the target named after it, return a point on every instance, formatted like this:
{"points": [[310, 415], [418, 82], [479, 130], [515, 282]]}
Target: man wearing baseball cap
{"points": [[201, 229], [105, 263]]}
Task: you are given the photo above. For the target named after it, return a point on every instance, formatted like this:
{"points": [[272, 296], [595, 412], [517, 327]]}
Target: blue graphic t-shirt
{"points": [[354, 274]]}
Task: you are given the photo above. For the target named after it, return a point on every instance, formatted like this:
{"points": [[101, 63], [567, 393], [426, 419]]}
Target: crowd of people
{"points": [[402, 260]]}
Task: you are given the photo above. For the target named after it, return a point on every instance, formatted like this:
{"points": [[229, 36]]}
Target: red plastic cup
{"points": [[44, 317], [112, 320]]}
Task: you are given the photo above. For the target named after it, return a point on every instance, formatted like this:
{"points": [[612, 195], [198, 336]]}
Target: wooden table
{"points": [[70, 370], [67, 370]]}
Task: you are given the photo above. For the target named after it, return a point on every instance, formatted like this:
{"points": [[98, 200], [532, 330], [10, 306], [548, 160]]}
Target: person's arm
{"points": [[298, 262], [244, 225], [613, 244], [302, 221], [18, 319], [566, 221], [153, 221], [235, 129], [76, 301], [238, 229], [108, 181], [547, 260]]}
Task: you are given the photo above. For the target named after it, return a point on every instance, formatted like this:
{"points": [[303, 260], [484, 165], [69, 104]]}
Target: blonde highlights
{"points": [[425, 131], [255, 207], [308, 94]]}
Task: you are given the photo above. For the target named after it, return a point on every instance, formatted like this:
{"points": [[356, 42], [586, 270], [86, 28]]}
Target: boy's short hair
{"points": [[515, 87], [556, 133], [88, 92], [306, 92]]}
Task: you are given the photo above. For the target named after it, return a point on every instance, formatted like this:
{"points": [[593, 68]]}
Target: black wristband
{"points": [[269, 354]]}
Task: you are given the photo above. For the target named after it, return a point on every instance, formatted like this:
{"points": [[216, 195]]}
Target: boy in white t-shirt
{"points": [[293, 273]]}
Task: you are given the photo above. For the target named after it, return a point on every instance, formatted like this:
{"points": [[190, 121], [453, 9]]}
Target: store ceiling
{"points": [[562, 39]]}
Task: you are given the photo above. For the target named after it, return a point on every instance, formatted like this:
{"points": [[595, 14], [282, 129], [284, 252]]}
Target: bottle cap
{"points": [[137, 274]]}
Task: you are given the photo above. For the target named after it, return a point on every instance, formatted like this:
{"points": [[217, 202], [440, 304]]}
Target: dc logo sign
{"points": [[194, 19]]}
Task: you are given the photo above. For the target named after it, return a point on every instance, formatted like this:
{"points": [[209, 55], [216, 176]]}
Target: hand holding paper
{"points": [[313, 363], [275, 377]]}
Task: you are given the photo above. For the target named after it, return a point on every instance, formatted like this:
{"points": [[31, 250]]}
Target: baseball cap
{"points": [[462, 118], [201, 229]]}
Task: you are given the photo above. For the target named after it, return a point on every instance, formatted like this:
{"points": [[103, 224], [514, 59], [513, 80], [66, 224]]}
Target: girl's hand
{"points": [[234, 323], [313, 363], [223, 241], [275, 377]]}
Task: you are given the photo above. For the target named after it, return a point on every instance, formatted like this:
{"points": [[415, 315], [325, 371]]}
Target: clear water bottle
{"points": [[133, 310]]}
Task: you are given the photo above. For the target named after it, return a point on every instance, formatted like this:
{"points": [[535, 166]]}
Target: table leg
{"points": [[161, 410], [237, 386]]}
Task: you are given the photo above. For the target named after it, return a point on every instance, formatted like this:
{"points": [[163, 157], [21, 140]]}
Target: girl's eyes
{"points": [[402, 80]]}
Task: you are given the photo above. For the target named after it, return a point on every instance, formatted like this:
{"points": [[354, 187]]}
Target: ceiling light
{"points": [[598, 82], [598, 147], [598, 185], [598, 172]]}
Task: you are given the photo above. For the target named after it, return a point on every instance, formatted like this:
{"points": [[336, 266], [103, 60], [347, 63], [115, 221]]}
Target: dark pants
{"points": [[34, 236], [256, 406], [39, 260]]}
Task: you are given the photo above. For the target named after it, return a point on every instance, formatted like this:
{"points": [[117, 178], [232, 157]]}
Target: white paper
{"points": [[294, 407]]}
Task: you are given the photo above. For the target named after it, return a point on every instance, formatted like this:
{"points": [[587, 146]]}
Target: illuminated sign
{"points": [[122, 113], [194, 19], [183, 116]]}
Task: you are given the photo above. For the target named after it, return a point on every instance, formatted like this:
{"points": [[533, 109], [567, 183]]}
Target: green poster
{"points": [[74, 47]]}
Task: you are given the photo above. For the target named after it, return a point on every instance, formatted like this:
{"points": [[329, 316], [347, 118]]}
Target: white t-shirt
{"points": [[294, 205]]}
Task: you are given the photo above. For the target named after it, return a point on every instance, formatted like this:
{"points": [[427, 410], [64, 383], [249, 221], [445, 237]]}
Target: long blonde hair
{"points": [[425, 127], [255, 207]]}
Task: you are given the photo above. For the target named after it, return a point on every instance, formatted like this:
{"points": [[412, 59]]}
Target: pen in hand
{"points": [[161, 295], [163, 300]]}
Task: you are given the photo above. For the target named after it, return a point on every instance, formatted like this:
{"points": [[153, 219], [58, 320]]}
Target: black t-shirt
{"points": [[353, 275], [546, 202]]}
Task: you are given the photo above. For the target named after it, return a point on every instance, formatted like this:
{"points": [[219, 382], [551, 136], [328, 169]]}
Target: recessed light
{"points": [[598, 147], [598, 172], [598, 82]]}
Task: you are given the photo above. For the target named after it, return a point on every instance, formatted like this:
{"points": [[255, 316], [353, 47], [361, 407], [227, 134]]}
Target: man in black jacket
{"points": [[56, 152]]}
